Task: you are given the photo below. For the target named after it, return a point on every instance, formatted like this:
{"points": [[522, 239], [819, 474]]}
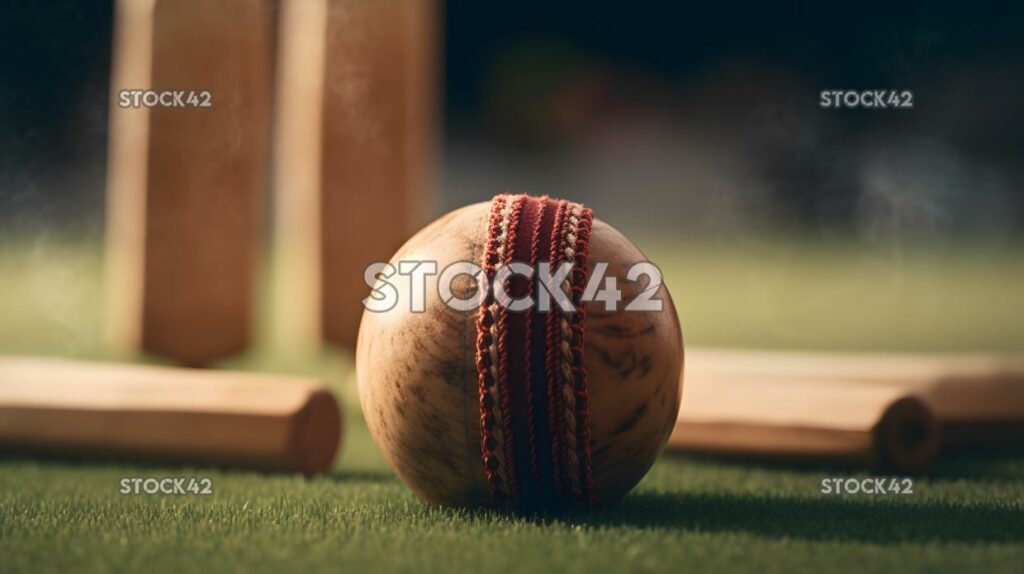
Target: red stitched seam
{"points": [[483, 359], [552, 363], [534, 249], [510, 462], [582, 394]]}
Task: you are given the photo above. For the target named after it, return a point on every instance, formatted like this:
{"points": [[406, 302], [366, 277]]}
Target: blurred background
{"points": [[696, 130]]}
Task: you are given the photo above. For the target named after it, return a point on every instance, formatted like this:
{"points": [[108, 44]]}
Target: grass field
{"points": [[687, 515]]}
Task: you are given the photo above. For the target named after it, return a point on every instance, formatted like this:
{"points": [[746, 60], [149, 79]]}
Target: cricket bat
{"points": [[379, 110], [186, 172], [885, 411], [353, 141], [167, 415]]}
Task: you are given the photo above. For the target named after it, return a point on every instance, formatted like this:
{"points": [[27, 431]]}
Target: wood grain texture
{"points": [[378, 126], [83, 409], [860, 424], [298, 146], [183, 198], [977, 399], [418, 379]]}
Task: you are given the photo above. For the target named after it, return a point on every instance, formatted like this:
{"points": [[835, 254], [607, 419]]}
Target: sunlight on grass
{"points": [[758, 293], [776, 294], [687, 514]]}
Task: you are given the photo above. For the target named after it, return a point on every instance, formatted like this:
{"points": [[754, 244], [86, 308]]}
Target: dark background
{"points": [[703, 118]]}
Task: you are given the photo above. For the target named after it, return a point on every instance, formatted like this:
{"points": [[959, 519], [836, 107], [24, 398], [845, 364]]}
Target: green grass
{"points": [[842, 295], [688, 514]]}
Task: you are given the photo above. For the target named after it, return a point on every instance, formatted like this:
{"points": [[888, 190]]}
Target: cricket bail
{"points": [[534, 415]]}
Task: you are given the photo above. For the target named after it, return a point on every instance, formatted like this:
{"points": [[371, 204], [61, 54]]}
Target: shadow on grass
{"points": [[867, 520], [165, 468], [989, 465], [992, 464], [374, 476]]}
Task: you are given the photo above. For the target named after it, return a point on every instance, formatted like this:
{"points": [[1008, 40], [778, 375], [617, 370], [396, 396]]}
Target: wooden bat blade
{"points": [[978, 399], [865, 409], [867, 425], [184, 184], [378, 133], [76, 408]]}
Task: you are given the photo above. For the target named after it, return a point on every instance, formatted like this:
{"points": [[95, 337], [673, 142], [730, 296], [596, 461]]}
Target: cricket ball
{"points": [[479, 395]]}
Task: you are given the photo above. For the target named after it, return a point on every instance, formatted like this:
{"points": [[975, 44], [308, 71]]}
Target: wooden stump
{"points": [[184, 183]]}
